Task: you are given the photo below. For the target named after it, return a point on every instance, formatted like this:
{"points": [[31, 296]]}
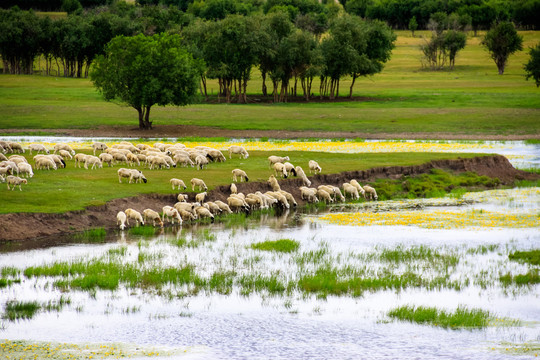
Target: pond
{"points": [[240, 301]]}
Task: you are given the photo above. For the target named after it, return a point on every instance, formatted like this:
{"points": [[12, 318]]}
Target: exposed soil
{"points": [[27, 226], [175, 131]]}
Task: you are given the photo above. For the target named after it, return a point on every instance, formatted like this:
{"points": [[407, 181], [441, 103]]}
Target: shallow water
{"points": [[299, 326]]}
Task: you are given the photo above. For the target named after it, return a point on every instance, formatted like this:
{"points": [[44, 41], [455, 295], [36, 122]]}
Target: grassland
{"points": [[404, 99]]}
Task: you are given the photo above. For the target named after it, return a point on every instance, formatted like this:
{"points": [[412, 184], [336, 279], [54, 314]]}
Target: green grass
{"points": [[461, 318], [144, 230], [282, 245], [531, 257], [16, 310], [404, 99], [75, 188], [532, 277], [92, 235]]}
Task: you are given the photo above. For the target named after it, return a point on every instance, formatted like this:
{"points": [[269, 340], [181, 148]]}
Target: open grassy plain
{"points": [[404, 99]]}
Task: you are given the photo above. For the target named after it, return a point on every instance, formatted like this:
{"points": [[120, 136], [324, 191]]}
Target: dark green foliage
{"points": [[531, 257], [532, 67], [413, 25], [501, 42], [282, 245], [16, 310], [461, 318]]}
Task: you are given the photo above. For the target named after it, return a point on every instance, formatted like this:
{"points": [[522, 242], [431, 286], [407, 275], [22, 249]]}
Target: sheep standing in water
{"points": [[170, 212], [121, 219], [135, 215]]}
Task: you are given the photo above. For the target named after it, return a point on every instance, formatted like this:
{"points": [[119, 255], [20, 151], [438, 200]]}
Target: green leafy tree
{"points": [[453, 42], [413, 25], [142, 71], [532, 68], [501, 42]]}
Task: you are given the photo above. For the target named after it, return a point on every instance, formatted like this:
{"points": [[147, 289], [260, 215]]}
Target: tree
{"points": [[532, 68], [502, 41], [413, 25], [142, 71]]}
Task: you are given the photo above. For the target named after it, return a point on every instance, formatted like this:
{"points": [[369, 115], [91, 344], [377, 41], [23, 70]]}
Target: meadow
{"points": [[471, 100]]}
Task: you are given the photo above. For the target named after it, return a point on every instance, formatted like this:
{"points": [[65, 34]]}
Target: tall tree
{"points": [[142, 71], [532, 67], [501, 42]]}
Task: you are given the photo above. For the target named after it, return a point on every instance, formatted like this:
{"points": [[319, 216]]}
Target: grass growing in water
{"points": [[461, 318], [144, 230], [92, 235], [282, 245], [530, 278], [532, 256], [15, 310]]}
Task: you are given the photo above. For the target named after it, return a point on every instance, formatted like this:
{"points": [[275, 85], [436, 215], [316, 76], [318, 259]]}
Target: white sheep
{"points": [[223, 206], [183, 160], [133, 159], [15, 147], [182, 197], [216, 155], [201, 161], [289, 168], [324, 195], [64, 147], [3, 157], [92, 160], [370, 193], [171, 212], [152, 215], [314, 167], [290, 198], [237, 204], [300, 172], [45, 163], [38, 148], [349, 189], [213, 207], [135, 215], [25, 168], [79, 159], [14, 181], [236, 149], [203, 212], [275, 159], [308, 194], [178, 183], [282, 200], [272, 181], [11, 165], [137, 176], [234, 189], [118, 157], [123, 173], [99, 146], [195, 182], [238, 173], [200, 197], [121, 219], [280, 170], [65, 154], [359, 187], [105, 158]]}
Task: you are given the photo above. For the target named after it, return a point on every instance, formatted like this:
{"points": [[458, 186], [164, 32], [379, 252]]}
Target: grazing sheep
{"points": [[106, 158], [92, 160], [182, 197], [200, 197], [79, 159], [237, 204], [3, 157], [14, 181], [216, 155], [235, 149], [289, 197], [203, 212], [272, 181], [213, 207], [121, 219], [201, 162], [60, 163], [17, 159], [183, 160], [16, 147], [195, 182], [280, 169], [45, 163], [289, 168], [324, 195], [5, 147], [254, 202], [370, 193], [11, 165], [337, 191], [349, 189], [223, 206], [25, 168], [267, 200], [234, 189], [152, 215], [38, 148], [178, 183], [133, 159], [308, 194], [5, 170], [275, 159], [300, 172], [282, 200], [124, 173], [157, 161], [2, 179], [138, 176], [135, 215], [65, 154], [171, 212], [119, 157], [64, 147], [314, 167], [359, 187], [99, 146], [237, 173]]}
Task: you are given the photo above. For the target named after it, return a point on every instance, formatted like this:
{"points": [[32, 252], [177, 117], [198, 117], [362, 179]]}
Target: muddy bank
{"points": [[176, 131], [25, 226]]}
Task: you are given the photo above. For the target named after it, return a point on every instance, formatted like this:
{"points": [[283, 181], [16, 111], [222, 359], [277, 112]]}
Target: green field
{"points": [[75, 188], [470, 100]]}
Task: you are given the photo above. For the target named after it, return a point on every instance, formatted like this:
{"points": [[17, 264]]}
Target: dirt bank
{"points": [[25, 226], [175, 131]]}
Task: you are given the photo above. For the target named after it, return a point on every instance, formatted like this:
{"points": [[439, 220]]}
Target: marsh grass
{"points": [[532, 277], [96, 235], [16, 310], [259, 283], [144, 230], [10, 271], [461, 318], [282, 245], [531, 256], [417, 253]]}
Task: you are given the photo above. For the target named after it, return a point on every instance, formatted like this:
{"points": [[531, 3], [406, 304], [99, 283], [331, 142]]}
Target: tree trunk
{"points": [[203, 80], [144, 117], [352, 85], [264, 89]]}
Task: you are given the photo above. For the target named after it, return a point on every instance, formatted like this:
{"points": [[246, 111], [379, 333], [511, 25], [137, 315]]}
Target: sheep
{"points": [[223, 206], [157, 161], [203, 212], [45, 163], [183, 160], [280, 169], [5, 147], [272, 181], [17, 159], [289, 197], [201, 162], [58, 160], [235, 149], [349, 189], [119, 157], [15, 146], [200, 197], [106, 158], [237, 204], [182, 197], [14, 181], [237, 173], [213, 207], [186, 211], [359, 187], [135, 215], [38, 148], [143, 146], [99, 146], [5, 170], [216, 155], [132, 174], [79, 158], [92, 160], [289, 168], [3, 157], [129, 147], [25, 168], [133, 159], [11, 165], [65, 154], [152, 215], [314, 167], [254, 202], [234, 189], [370, 193], [275, 159], [178, 183], [337, 192], [267, 200], [324, 195], [308, 194], [138, 176], [171, 212], [333, 191], [121, 219], [282, 200], [2, 179], [64, 147], [195, 182], [302, 174]]}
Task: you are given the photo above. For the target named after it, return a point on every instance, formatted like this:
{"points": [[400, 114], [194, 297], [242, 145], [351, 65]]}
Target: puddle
{"points": [[240, 323]]}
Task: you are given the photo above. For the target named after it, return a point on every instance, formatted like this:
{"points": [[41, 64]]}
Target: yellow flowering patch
{"points": [[440, 219]]}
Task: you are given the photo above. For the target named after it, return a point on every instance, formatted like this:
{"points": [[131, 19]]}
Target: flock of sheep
{"points": [[161, 156]]}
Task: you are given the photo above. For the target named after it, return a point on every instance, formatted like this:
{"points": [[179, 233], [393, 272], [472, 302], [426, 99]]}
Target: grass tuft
{"points": [[16, 310], [532, 256], [282, 245], [461, 318]]}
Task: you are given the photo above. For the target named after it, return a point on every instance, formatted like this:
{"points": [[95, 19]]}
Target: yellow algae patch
{"points": [[440, 219]]}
